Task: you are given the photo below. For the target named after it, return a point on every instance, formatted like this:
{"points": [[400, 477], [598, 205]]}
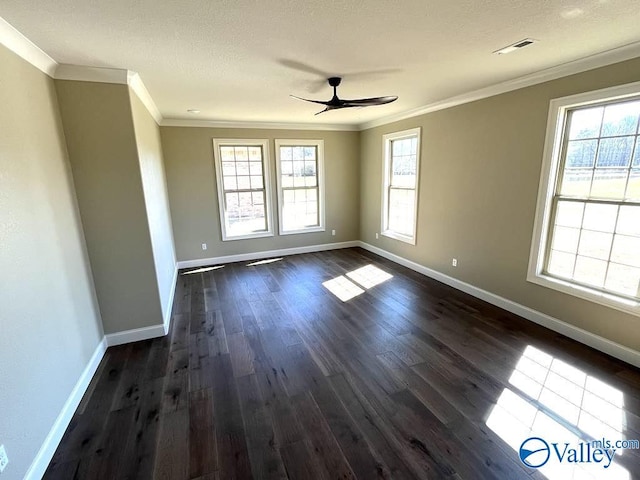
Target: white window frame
{"points": [[264, 144], [319, 144], [386, 180], [556, 120]]}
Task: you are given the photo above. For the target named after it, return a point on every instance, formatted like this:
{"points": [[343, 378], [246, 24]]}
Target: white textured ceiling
{"points": [[238, 60]]}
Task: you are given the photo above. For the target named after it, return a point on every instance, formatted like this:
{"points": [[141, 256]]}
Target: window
{"points": [[401, 156], [300, 185], [587, 234], [242, 172]]}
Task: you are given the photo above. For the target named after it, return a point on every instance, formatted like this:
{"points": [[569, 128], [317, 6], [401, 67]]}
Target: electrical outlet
{"points": [[377, 236], [333, 232], [454, 262], [4, 459], [204, 246]]}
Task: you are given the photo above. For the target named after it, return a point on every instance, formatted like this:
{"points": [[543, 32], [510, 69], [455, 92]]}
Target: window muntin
{"points": [[587, 233], [300, 185], [243, 188], [400, 190]]}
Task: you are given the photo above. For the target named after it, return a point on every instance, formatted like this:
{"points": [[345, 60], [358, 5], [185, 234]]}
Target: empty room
{"points": [[319, 240]]}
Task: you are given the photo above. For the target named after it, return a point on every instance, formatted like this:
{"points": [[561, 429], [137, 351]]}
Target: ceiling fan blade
{"points": [[369, 102], [313, 101], [303, 67], [332, 107]]}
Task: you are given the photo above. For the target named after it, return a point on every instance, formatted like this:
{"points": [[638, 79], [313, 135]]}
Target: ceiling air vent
{"points": [[515, 46]]}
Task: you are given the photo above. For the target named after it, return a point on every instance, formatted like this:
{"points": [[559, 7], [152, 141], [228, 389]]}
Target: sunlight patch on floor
{"points": [[559, 403], [263, 262], [359, 281], [203, 269]]}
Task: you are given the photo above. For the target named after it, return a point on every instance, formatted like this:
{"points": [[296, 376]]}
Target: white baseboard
{"points": [[50, 444], [243, 257], [135, 335], [607, 346], [169, 307]]}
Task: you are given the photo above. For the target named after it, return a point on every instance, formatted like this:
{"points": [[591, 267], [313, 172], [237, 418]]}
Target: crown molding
{"points": [[135, 82], [25, 48], [84, 73], [180, 122], [117, 76], [609, 57]]}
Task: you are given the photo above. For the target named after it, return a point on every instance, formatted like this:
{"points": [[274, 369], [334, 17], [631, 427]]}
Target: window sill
{"points": [[595, 296], [247, 237], [304, 230], [399, 236]]}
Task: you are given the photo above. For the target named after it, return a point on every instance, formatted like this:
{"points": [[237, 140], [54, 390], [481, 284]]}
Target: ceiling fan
{"points": [[336, 102]]}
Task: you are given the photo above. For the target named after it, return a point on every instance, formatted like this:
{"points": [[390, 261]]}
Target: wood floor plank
{"points": [[203, 451], [264, 450]]}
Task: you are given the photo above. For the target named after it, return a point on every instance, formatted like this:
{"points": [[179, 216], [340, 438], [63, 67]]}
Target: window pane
{"points": [[585, 123], [298, 153], [298, 171], [255, 153], [257, 198], [595, 244], [569, 214], [230, 183], [636, 154], [633, 188], [623, 279], [228, 168], [401, 208], [245, 216], [600, 217], [300, 209], [581, 153], [310, 153], [242, 168], [565, 239], [621, 119], [310, 173], [243, 183], [576, 183], [403, 171], [609, 183], [226, 153], [626, 250], [615, 152], [255, 168], [256, 182], [629, 221], [242, 153], [590, 271], [561, 263], [286, 153]]}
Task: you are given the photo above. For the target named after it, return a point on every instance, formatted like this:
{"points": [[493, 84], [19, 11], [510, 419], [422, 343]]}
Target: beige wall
{"points": [[103, 152], [154, 184], [479, 177], [49, 318], [188, 153]]}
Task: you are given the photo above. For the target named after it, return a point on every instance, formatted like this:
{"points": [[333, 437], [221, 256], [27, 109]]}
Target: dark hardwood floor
{"points": [[268, 374]]}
